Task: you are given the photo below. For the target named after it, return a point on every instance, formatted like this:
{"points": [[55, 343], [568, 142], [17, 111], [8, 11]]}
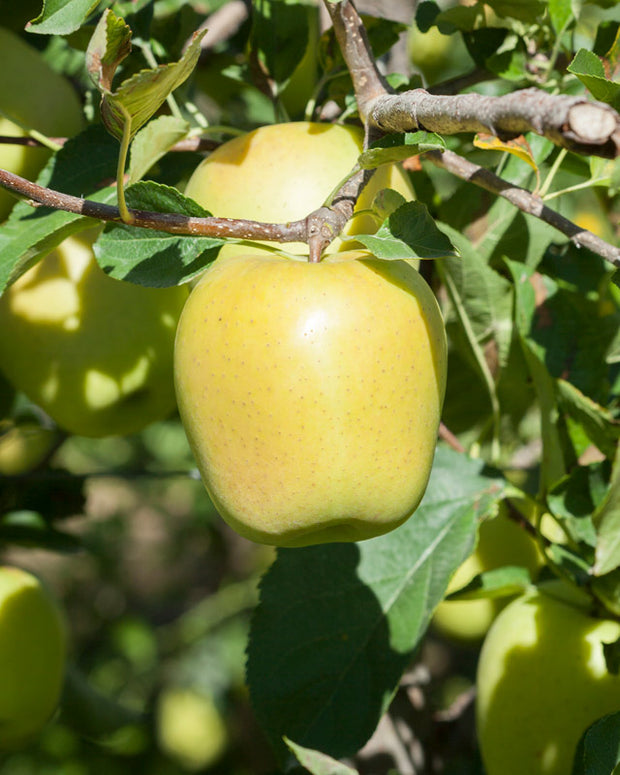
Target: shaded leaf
{"points": [[599, 425], [524, 10], [398, 147], [154, 258], [607, 521], [337, 624], [553, 464], [598, 752], [29, 233], [152, 142], [573, 500], [486, 296], [279, 38]]}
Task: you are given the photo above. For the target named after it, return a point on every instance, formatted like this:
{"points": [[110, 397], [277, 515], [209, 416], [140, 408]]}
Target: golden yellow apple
{"points": [[282, 172], [500, 542], [311, 393], [23, 446], [32, 656], [95, 353], [542, 680], [32, 96]]}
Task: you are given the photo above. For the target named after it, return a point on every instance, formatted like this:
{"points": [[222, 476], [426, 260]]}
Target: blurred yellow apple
{"points": [[23, 446], [282, 172], [95, 353], [32, 96], [311, 393], [32, 656], [190, 728]]}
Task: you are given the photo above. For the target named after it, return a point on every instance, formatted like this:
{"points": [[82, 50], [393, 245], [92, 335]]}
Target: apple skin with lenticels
{"points": [[283, 172], [311, 393]]}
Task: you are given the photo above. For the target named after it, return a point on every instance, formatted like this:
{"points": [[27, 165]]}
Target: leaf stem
{"points": [[479, 357], [552, 173], [126, 216]]}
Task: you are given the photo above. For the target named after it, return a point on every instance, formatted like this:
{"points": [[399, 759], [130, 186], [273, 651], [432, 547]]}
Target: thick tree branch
{"points": [[350, 32], [571, 122], [523, 200]]}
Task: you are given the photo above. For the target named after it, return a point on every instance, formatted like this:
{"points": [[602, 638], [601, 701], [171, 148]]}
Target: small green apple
{"points": [[436, 56], [500, 542], [32, 656], [542, 680], [95, 353], [23, 446], [282, 172], [311, 393], [32, 96]]}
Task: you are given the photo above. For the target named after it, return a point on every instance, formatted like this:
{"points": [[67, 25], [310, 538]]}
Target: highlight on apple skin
{"points": [[93, 352], [311, 393]]}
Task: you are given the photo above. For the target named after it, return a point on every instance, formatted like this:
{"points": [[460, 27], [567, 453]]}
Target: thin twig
{"points": [[319, 228], [523, 200]]}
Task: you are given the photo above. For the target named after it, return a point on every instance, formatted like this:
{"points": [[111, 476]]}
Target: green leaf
{"points": [[318, 763], [28, 528], [395, 148], [599, 425], [506, 581], [155, 259], [525, 10], [590, 71], [607, 521], [553, 466], [337, 624], [409, 232], [91, 713], [57, 496], [30, 233], [598, 752], [139, 97], [62, 17], [152, 142], [279, 38], [109, 45], [574, 498], [560, 13], [487, 297]]}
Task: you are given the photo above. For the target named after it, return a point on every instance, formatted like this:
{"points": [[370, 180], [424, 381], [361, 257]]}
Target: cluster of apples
{"points": [[311, 393], [542, 677]]}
